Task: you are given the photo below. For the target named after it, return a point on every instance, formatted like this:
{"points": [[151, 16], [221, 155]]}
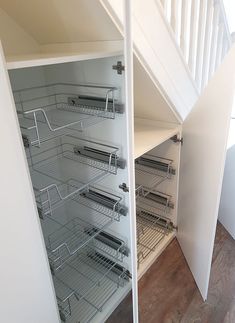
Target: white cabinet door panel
{"points": [[227, 200], [205, 134], [26, 291]]}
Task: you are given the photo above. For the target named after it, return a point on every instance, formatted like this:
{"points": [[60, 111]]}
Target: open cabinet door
{"points": [[26, 280], [227, 205], [203, 153]]}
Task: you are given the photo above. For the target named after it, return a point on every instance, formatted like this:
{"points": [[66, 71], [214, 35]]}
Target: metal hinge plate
{"points": [[124, 187], [40, 213], [119, 67], [25, 141], [176, 139]]}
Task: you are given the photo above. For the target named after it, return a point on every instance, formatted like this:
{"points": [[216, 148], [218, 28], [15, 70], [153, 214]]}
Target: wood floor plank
{"points": [[123, 312], [230, 315], [220, 238], [159, 289], [222, 281], [168, 293], [221, 286]]}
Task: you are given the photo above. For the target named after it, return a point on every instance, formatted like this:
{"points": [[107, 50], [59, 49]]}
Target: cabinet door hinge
{"points": [[40, 213], [124, 187], [119, 67], [25, 141], [176, 139]]}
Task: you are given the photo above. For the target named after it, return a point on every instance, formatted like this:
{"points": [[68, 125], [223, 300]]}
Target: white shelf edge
{"points": [[148, 134], [16, 62], [155, 254]]}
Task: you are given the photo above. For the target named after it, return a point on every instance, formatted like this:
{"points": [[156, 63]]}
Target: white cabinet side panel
{"points": [[26, 288], [227, 205], [205, 134]]}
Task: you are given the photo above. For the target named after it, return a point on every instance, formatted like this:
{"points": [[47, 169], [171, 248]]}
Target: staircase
{"points": [[201, 32], [179, 43]]}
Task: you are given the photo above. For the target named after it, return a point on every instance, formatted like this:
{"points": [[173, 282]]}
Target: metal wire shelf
{"points": [[154, 202], [103, 202], [69, 238], [151, 230], [118, 253], [61, 173], [86, 283], [150, 171], [96, 206], [49, 111]]}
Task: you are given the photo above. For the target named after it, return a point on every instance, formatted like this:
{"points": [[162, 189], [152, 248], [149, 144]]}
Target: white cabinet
{"points": [[72, 111], [74, 131], [108, 190]]}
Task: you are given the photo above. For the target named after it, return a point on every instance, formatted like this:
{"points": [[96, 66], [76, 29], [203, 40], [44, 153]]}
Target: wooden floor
{"points": [[168, 294]]}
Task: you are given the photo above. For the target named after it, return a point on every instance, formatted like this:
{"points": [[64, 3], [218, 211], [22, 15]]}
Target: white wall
{"points": [[148, 100]]}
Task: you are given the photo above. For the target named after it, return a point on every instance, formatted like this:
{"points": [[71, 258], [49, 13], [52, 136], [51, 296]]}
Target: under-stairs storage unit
{"points": [[94, 185], [74, 156]]}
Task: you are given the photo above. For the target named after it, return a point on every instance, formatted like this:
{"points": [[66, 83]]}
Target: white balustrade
{"points": [[201, 31]]}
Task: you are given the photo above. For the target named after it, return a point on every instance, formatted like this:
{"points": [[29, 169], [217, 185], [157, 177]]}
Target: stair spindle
{"points": [[166, 8], [219, 46], [225, 47], [214, 38], [201, 41], [193, 36], [185, 25], [207, 43], [175, 19]]}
